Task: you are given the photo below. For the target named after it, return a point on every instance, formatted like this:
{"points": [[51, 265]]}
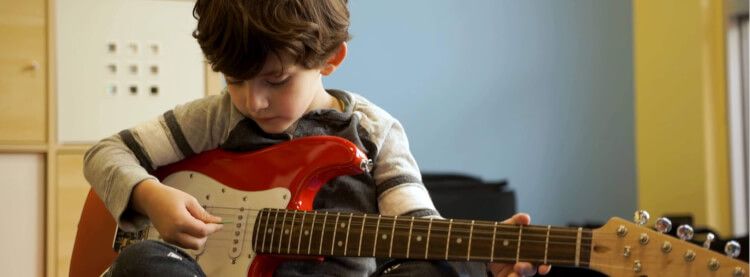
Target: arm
{"points": [[118, 166], [398, 175]]}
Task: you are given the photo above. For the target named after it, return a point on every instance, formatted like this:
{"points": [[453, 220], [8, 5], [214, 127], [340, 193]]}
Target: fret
{"points": [[257, 229], [482, 238], [361, 234], [505, 247], [546, 244], [427, 244], [418, 236], [322, 233], [301, 229], [335, 229], [494, 235], [532, 242], [273, 230], [448, 239], [282, 231], [348, 228], [385, 234], [393, 234], [375, 239], [437, 239], [471, 233], [312, 232], [263, 245], [562, 246], [408, 244], [518, 249], [458, 240], [578, 247], [291, 232]]}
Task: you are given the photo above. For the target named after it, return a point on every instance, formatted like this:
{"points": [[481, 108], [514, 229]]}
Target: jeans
{"points": [[155, 258]]}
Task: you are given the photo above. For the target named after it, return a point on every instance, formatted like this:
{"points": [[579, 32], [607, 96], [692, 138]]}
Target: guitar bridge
{"points": [[124, 239]]}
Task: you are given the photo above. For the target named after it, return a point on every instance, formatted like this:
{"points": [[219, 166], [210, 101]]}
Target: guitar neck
{"points": [[290, 232]]}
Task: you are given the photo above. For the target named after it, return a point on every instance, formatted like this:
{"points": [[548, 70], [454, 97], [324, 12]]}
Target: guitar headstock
{"points": [[623, 248]]}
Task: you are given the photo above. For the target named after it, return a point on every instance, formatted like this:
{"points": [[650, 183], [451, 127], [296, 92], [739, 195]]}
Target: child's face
{"points": [[276, 99]]}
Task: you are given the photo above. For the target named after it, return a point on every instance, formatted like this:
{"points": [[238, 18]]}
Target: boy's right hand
{"points": [[178, 216]]}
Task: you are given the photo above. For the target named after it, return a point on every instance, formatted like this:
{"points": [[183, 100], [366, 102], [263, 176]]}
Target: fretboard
{"points": [[289, 232]]}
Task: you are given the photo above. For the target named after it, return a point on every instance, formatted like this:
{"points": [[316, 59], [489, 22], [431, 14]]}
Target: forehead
{"points": [[274, 65], [277, 64]]}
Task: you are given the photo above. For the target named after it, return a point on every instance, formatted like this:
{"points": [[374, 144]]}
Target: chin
{"points": [[274, 129]]}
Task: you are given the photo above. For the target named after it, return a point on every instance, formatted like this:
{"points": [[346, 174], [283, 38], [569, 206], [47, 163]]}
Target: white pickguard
{"points": [[228, 252]]}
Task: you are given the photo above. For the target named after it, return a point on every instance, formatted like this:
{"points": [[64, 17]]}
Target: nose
{"points": [[256, 100]]}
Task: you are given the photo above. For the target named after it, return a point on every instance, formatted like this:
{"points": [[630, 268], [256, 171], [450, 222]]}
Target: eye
{"points": [[279, 81]]}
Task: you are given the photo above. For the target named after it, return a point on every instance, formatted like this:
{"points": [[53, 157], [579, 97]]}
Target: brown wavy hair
{"points": [[237, 36]]}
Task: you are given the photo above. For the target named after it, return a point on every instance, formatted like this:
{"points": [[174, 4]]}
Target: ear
{"points": [[334, 62]]}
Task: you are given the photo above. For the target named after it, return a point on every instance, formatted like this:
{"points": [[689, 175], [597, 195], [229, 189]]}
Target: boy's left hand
{"points": [[521, 268]]}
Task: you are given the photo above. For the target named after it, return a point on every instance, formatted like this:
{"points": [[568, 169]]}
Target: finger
{"points": [[544, 269], [200, 213], [191, 242], [524, 269], [519, 219]]}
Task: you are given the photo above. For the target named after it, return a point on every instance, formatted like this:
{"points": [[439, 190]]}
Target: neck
{"points": [[367, 235]]}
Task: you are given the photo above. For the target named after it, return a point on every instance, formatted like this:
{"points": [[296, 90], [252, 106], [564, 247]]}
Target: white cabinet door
{"points": [[22, 214]]}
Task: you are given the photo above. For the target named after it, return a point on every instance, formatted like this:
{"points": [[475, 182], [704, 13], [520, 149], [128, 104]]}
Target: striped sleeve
{"points": [[399, 183], [397, 177], [116, 164]]}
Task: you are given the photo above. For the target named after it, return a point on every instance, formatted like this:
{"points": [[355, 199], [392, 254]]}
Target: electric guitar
{"points": [[268, 195]]}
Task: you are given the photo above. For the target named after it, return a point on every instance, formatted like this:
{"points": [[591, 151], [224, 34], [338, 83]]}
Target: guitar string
{"points": [[463, 222], [426, 220], [466, 227]]}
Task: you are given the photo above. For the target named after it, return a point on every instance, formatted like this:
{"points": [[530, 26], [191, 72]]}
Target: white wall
{"points": [[538, 92]]}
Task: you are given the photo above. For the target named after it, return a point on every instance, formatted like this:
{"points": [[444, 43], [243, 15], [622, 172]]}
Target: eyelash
{"points": [[279, 83]]}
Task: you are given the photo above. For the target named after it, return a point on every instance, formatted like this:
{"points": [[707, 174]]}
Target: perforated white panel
{"points": [[120, 62]]}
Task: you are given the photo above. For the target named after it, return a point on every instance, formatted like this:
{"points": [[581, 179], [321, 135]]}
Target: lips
{"points": [[265, 119]]}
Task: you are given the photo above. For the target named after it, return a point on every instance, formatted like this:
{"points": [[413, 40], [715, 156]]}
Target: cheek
{"points": [[237, 100]]}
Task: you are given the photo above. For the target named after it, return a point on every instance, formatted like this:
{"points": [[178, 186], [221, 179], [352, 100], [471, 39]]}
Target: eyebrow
{"points": [[275, 71]]}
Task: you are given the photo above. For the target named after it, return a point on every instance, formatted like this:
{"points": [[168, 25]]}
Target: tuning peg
{"points": [[709, 239], [732, 249], [663, 225], [685, 232], [641, 217]]}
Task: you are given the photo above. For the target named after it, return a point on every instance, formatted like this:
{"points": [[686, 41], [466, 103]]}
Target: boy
{"points": [[273, 54]]}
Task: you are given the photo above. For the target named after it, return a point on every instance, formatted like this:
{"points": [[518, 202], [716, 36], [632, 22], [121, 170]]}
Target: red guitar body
{"points": [[293, 172]]}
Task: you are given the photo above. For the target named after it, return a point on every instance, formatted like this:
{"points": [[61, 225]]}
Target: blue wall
{"points": [[538, 92]]}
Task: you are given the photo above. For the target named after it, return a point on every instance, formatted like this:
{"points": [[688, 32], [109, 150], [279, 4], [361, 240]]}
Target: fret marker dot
{"points": [[419, 238], [385, 236], [270, 230], [286, 231], [343, 225], [458, 240], [340, 243], [307, 232], [505, 242]]}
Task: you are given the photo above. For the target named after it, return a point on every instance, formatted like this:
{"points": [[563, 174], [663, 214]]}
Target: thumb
{"points": [[197, 211], [519, 219]]}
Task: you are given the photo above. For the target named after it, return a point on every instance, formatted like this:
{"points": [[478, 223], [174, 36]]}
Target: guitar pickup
{"points": [[238, 231]]}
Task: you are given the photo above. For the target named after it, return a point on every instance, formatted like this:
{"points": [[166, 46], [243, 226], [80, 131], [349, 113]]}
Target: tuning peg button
{"points": [[685, 232], [641, 217], [732, 249], [709, 239], [663, 225]]}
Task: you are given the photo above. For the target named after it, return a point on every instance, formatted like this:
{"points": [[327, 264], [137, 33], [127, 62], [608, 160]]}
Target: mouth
{"points": [[265, 119]]}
